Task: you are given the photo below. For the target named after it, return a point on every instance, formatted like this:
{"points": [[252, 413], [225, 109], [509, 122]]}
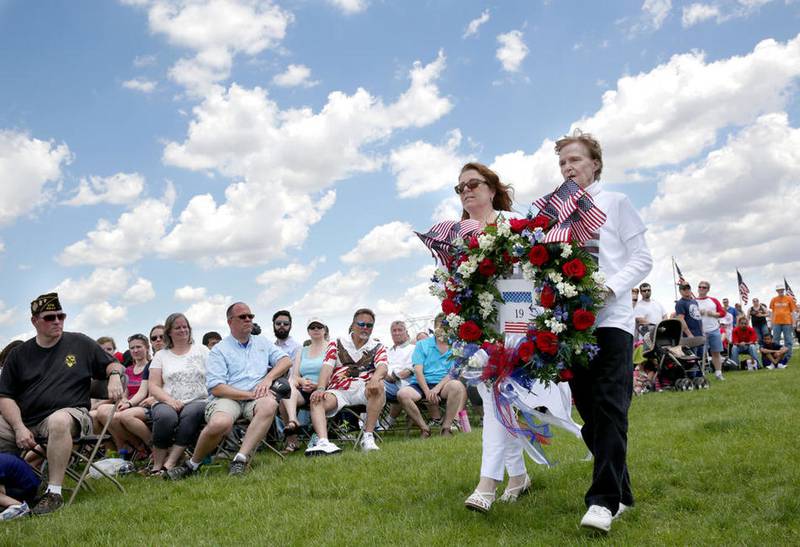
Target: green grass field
{"points": [[715, 467]]}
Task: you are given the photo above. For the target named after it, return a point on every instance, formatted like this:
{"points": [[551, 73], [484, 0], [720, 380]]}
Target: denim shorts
{"points": [[714, 341]]}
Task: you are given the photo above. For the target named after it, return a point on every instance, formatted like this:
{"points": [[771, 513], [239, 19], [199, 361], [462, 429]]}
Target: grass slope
{"points": [[716, 467]]}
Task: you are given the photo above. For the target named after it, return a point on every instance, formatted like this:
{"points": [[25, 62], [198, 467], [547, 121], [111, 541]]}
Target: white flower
{"points": [[437, 290], [528, 271], [454, 321], [555, 326], [485, 297], [485, 241], [567, 289], [555, 277], [566, 250], [503, 228], [599, 277]]}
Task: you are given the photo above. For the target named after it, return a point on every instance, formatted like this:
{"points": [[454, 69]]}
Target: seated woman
{"points": [[178, 383], [431, 361], [304, 378], [129, 427]]}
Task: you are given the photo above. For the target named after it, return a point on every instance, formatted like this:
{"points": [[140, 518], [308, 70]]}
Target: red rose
{"points": [[565, 375], [448, 306], [574, 268], [547, 342], [469, 331], [486, 267], [582, 319], [518, 224], [473, 242], [526, 350], [548, 297], [540, 221], [539, 255]]}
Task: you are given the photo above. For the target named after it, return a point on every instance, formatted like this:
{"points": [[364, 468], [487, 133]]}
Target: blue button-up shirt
{"points": [[241, 366]]}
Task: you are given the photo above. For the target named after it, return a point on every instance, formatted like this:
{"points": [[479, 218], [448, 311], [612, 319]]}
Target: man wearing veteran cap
{"points": [[44, 391]]}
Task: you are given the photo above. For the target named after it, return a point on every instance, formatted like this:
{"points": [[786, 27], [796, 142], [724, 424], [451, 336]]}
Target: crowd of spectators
{"points": [[172, 402]]}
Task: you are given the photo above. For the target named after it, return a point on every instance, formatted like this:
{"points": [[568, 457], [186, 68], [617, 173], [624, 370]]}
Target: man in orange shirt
{"points": [[782, 308]]}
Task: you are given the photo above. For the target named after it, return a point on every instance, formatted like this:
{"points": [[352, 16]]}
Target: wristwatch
{"points": [[112, 373]]}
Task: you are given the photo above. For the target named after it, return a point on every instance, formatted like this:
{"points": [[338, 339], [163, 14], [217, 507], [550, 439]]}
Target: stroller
{"points": [[677, 366]]}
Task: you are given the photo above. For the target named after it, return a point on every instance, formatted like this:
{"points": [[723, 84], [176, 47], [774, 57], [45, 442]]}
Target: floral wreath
{"points": [[568, 292]]}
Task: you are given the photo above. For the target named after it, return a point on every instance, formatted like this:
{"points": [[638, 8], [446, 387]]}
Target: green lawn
{"points": [[715, 467]]}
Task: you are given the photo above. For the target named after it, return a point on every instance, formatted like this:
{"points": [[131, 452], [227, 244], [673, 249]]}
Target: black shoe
{"points": [[50, 502], [237, 468], [180, 472]]}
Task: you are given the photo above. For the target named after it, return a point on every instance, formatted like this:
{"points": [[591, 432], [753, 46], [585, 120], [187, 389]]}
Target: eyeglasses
{"points": [[244, 316], [364, 324], [471, 184], [315, 326], [282, 323], [52, 318], [154, 337]]}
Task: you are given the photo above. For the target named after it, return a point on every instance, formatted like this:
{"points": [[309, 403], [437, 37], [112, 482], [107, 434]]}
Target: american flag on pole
{"points": [[576, 214], [744, 292], [439, 239], [789, 291]]}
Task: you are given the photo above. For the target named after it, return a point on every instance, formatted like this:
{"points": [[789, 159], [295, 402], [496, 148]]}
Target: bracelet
{"points": [[113, 372]]}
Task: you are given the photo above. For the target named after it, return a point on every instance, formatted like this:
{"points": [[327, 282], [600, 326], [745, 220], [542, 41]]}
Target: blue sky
{"points": [[176, 155]]}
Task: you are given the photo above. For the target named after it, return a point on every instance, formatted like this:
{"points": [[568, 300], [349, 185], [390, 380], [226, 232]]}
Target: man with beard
{"points": [[282, 326]]}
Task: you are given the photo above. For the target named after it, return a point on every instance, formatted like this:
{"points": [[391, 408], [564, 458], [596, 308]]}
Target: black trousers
{"points": [[602, 395]]}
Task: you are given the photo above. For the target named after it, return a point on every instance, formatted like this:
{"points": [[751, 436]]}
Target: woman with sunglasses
{"points": [[178, 383], [157, 338], [129, 428], [305, 377]]}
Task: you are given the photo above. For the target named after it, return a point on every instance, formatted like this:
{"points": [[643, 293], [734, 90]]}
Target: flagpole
{"points": [[674, 280]]}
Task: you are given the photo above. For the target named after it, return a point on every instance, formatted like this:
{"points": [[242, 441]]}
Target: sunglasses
{"points": [[52, 318], [703, 287], [645, 290], [364, 324], [471, 184], [155, 337], [244, 316], [315, 326], [282, 324]]}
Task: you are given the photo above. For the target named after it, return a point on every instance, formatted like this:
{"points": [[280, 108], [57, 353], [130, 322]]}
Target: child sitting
{"points": [[18, 486]]}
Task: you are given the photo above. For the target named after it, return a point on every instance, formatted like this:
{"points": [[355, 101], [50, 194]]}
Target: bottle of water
{"points": [[463, 421]]}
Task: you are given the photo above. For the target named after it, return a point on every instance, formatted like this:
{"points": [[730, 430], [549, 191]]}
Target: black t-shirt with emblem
{"points": [[43, 380]]}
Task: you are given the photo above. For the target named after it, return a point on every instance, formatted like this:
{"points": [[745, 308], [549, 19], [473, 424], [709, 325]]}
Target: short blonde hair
{"points": [[587, 140]]}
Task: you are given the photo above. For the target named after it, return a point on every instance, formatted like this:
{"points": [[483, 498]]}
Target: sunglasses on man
{"points": [[364, 324], [52, 317]]}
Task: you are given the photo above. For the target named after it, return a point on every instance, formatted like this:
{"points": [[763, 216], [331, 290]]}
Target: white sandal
{"points": [[480, 501], [511, 493]]}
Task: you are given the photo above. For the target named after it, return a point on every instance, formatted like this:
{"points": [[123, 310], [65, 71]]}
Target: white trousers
{"points": [[502, 451]]}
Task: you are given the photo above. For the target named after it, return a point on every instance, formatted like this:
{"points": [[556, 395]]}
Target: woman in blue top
{"points": [[304, 378], [431, 360]]}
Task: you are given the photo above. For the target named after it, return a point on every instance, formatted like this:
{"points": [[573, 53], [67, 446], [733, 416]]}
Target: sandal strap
{"points": [[480, 500]]}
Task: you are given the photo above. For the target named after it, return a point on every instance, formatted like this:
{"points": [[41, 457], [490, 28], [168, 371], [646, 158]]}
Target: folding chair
{"points": [[230, 445], [354, 413]]}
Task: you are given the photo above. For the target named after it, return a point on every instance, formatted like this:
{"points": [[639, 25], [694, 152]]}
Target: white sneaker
{"points": [[15, 511], [597, 518], [781, 365], [622, 508], [719, 376], [368, 444], [770, 367], [323, 448]]}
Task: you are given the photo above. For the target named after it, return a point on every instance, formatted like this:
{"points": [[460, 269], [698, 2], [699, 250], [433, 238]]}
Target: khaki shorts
{"points": [[237, 409], [81, 425], [355, 395]]}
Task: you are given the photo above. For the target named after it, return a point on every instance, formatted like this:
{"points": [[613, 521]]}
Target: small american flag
{"points": [[515, 327], [681, 280], [577, 216], [439, 239], [744, 292], [789, 291]]}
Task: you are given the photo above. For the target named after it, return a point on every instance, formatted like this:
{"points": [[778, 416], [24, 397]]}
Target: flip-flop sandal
{"points": [[291, 427], [291, 446]]}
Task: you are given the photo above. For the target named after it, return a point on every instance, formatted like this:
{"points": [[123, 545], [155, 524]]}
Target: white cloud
{"points": [[7, 315], [2, 246], [335, 297], [278, 281], [675, 111], [118, 189], [421, 167], [188, 293], [656, 11], [475, 24], [27, 166], [216, 30], [102, 284], [697, 13], [141, 61], [531, 176], [98, 316], [288, 160], [349, 6], [416, 306], [295, 75], [140, 292], [209, 314], [384, 243], [512, 50], [136, 234], [140, 84], [448, 209]]}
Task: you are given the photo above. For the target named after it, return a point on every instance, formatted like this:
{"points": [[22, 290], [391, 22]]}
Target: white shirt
{"points": [[400, 359], [652, 311], [183, 376], [624, 258], [709, 304]]}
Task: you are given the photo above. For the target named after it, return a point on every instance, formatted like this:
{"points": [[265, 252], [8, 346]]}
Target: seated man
{"points": [[773, 354], [241, 374], [44, 391], [744, 339], [431, 380], [353, 371], [400, 368]]}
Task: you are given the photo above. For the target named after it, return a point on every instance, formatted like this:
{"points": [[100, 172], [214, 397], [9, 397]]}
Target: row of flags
{"points": [[744, 291]]}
